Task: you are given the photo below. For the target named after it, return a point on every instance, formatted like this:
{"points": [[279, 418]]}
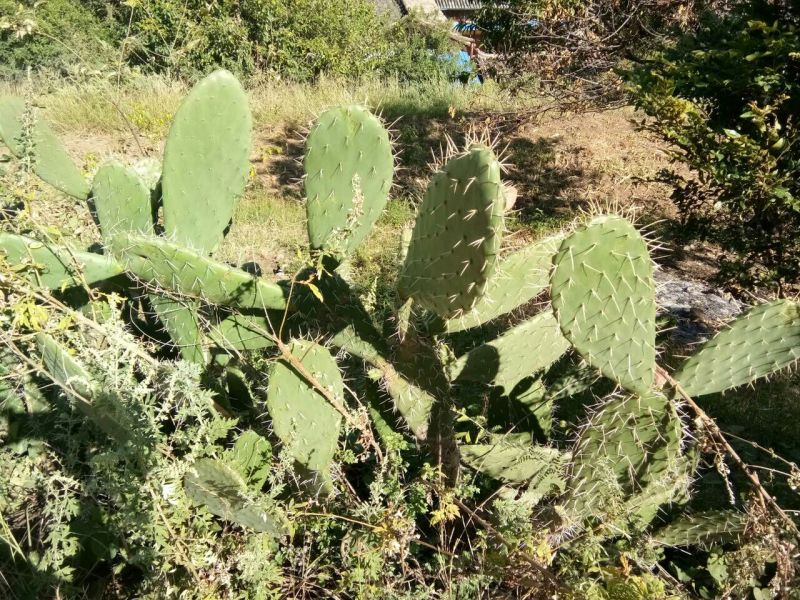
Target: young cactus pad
{"points": [[121, 201], [54, 267], [765, 340], [457, 235], [518, 277], [170, 267], [302, 417], [604, 298], [206, 162], [521, 351], [50, 160], [349, 166]]}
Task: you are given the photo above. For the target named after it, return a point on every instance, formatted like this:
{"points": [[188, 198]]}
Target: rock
{"points": [[698, 309]]}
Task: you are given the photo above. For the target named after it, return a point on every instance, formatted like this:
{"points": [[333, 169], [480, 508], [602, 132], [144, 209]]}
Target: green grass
{"points": [[147, 104]]}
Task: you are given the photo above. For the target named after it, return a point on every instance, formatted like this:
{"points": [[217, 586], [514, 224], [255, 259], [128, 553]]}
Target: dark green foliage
{"points": [[295, 39], [60, 29], [728, 99]]}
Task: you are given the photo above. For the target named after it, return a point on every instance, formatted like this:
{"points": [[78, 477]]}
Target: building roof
{"points": [[459, 4]]}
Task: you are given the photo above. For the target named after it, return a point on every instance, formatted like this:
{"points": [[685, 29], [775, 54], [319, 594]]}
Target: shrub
{"points": [[297, 39], [728, 99], [52, 35]]}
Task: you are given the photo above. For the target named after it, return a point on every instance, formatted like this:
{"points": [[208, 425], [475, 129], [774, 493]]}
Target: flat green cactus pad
{"points": [[206, 162], [170, 267], [223, 491], [78, 385], [252, 455], [703, 529], [764, 340], [302, 418], [179, 320], [121, 201], [518, 463], [50, 159], [521, 351], [413, 403], [629, 442], [55, 267], [349, 166], [242, 333], [456, 236], [518, 278], [604, 298]]}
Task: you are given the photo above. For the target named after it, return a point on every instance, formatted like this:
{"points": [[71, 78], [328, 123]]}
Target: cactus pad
{"points": [[349, 167], [413, 403], [121, 201], [55, 267], [517, 463], [604, 298], [76, 382], [252, 455], [179, 320], [302, 418], [206, 162], [521, 351], [170, 267], [703, 529], [456, 236], [223, 492], [628, 443], [242, 333], [50, 160], [764, 340], [518, 278]]}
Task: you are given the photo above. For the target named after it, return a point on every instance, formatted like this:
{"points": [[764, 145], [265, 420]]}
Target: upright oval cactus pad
{"points": [[50, 160], [55, 267], [349, 166], [206, 161], [184, 272], [302, 418], [121, 201], [604, 299], [457, 235], [765, 340], [518, 278]]}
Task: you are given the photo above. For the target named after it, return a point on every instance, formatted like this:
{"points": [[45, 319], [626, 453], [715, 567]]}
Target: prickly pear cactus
{"points": [[171, 267], [518, 278], [765, 340], [179, 320], [206, 162], [50, 160], [302, 418], [626, 444], [349, 165], [604, 298], [457, 235], [65, 371], [542, 466], [242, 333], [703, 529], [521, 351], [55, 267], [223, 491], [121, 201]]}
